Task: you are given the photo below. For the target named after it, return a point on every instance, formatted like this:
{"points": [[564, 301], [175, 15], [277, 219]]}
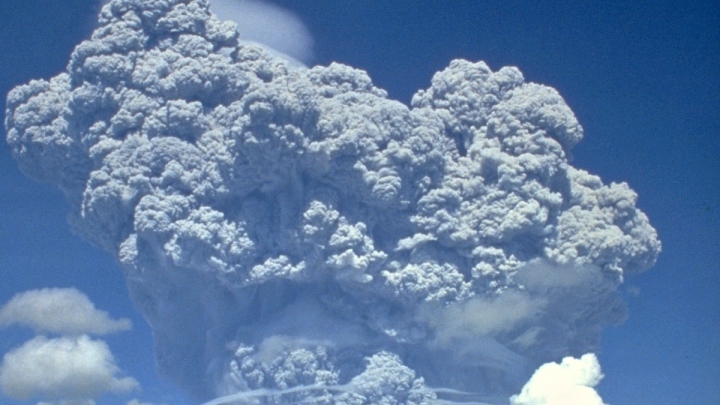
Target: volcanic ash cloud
{"points": [[282, 227]]}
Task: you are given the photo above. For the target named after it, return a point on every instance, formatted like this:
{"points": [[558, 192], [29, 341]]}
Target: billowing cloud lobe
{"points": [[70, 369], [59, 310], [571, 382], [65, 367], [284, 230]]}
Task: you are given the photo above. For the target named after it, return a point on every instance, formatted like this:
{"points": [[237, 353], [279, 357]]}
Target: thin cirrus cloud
{"points": [[284, 230], [91, 402], [59, 310], [137, 402]]}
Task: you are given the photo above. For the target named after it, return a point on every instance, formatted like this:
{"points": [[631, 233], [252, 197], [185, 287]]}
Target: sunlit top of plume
{"points": [[284, 228]]}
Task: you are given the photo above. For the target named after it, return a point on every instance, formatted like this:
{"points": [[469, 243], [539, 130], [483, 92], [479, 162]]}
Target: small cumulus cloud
{"points": [[572, 382], [59, 310], [64, 367], [70, 369]]}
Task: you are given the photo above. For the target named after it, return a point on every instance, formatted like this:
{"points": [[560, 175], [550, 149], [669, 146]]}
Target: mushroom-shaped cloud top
{"points": [[283, 227]]}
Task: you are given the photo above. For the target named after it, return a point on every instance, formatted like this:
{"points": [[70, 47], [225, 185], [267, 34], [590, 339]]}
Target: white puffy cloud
{"points": [[59, 310], [64, 368], [572, 382], [71, 369]]}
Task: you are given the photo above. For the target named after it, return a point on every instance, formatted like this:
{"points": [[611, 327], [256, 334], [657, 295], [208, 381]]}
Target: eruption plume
{"points": [[284, 229]]}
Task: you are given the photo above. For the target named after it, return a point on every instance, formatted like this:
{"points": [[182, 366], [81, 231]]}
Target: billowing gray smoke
{"points": [[283, 228]]}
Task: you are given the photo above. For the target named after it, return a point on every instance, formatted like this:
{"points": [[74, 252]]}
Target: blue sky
{"points": [[642, 77]]}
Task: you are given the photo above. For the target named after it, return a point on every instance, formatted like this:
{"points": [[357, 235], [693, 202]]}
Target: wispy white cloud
{"points": [[91, 402], [68, 368], [482, 316], [137, 402], [70, 402], [571, 382], [59, 310]]}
